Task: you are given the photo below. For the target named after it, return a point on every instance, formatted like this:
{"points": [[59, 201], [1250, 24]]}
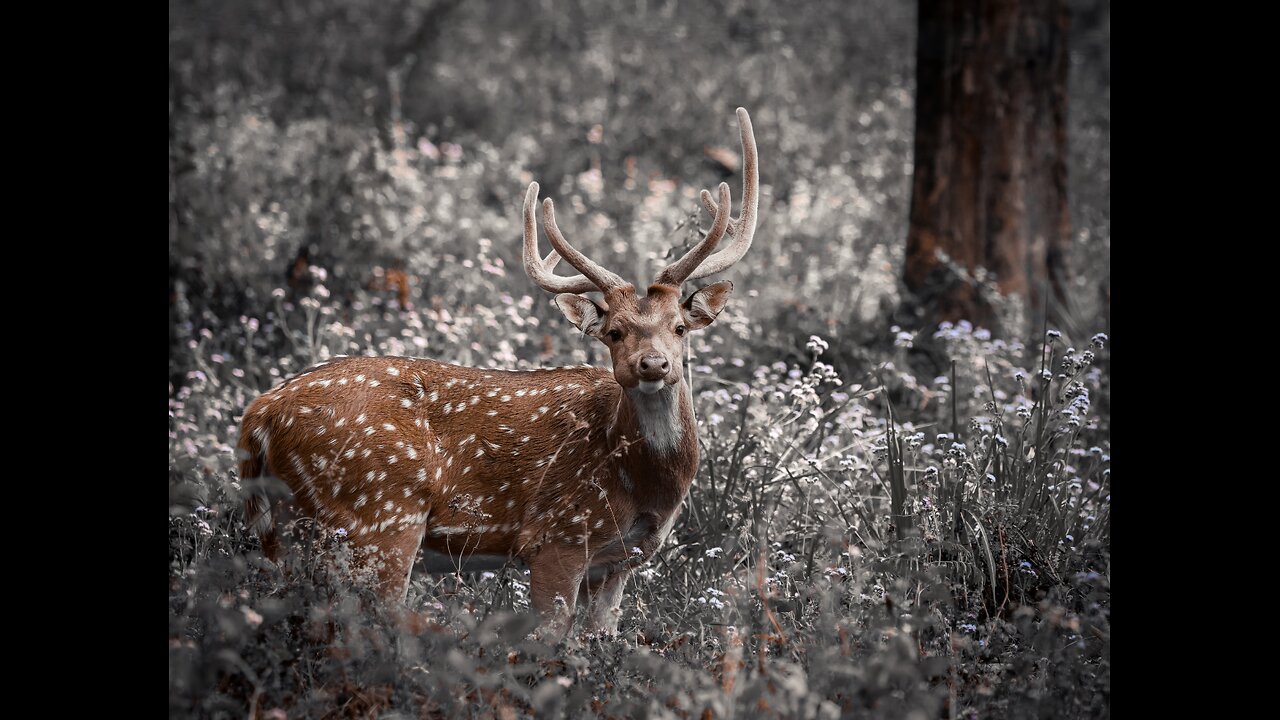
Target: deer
{"points": [[577, 472]]}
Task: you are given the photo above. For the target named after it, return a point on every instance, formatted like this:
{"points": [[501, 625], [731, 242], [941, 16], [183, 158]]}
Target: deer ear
{"points": [[582, 312], [704, 305]]}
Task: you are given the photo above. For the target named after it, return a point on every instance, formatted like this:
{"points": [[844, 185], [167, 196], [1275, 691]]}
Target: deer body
{"points": [[578, 472], [402, 452]]}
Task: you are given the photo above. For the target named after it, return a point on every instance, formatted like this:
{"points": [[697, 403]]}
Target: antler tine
{"points": [[604, 280], [540, 269], [676, 273], [744, 229], [712, 207]]}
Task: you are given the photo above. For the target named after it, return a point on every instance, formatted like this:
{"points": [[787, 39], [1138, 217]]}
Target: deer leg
{"points": [[605, 597], [387, 558], [556, 574]]}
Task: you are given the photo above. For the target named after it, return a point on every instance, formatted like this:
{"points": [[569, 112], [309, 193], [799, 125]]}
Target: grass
{"points": [[887, 521], [834, 556]]}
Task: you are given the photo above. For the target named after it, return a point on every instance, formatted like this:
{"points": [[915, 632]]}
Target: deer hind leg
{"points": [[556, 573], [385, 559]]}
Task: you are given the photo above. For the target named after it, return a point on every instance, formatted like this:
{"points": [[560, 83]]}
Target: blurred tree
{"points": [[989, 197]]}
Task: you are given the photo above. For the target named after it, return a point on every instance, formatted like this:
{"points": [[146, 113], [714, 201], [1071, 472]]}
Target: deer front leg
{"points": [[616, 563], [605, 595], [556, 573]]}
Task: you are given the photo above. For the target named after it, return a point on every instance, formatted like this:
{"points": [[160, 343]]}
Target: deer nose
{"points": [[653, 367]]}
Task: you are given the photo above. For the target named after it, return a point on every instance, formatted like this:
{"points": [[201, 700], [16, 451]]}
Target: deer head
{"points": [[645, 335]]}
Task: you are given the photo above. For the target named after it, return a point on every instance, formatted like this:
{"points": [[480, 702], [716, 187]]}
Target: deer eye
{"points": [[680, 330], [615, 335]]}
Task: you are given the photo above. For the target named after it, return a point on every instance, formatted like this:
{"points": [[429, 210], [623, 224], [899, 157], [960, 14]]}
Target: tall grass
{"points": [[838, 553]]}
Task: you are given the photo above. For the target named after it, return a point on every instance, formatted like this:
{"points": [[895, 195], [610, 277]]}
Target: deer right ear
{"points": [[583, 312]]}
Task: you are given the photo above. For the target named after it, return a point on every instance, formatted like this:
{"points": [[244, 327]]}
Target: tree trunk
{"points": [[990, 186]]}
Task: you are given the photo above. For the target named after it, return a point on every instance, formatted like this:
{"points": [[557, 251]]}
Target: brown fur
{"points": [[578, 472], [366, 448]]}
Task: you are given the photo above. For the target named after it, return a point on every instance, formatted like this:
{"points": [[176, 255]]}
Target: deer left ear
{"points": [[704, 305]]}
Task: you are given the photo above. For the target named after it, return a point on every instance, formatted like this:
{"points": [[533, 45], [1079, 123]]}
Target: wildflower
{"points": [[1052, 335], [340, 532], [816, 345], [250, 616], [1099, 340], [713, 552]]}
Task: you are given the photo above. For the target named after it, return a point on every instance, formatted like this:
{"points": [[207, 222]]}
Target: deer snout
{"points": [[653, 367]]}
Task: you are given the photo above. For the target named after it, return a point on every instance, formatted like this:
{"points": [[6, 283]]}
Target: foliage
{"points": [[859, 539], [790, 587]]}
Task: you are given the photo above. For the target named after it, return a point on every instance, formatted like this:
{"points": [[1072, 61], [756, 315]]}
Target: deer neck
{"points": [[663, 421]]}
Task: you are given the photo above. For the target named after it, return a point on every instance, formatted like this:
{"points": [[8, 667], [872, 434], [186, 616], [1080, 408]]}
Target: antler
{"points": [[593, 276], [677, 272], [743, 229]]}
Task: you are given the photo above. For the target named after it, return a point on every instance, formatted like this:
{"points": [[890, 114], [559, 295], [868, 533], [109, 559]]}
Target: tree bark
{"points": [[990, 185]]}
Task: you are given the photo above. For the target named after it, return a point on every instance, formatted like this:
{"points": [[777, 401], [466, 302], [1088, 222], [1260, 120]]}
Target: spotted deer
{"points": [[578, 472]]}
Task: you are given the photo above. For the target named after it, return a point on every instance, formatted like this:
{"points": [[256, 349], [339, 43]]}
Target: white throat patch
{"points": [[658, 414]]}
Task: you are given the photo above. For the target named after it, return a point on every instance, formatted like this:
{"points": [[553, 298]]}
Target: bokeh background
{"points": [[893, 516]]}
